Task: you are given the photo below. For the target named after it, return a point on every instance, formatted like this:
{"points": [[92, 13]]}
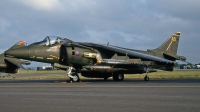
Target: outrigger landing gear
{"points": [[146, 78], [71, 73]]}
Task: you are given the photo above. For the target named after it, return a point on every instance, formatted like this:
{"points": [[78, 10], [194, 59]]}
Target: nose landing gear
{"points": [[71, 73]]}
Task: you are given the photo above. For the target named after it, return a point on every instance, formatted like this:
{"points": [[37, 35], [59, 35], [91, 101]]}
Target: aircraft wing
{"points": [[130, 53]]}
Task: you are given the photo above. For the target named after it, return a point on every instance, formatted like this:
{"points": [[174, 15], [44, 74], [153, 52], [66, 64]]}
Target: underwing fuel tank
{"points": [[113, 69], [128, 66]]}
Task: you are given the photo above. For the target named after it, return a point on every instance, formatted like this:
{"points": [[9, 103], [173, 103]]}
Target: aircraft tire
{"points": [[118, 77], [76, 78], [146, 78], [105, 78]]}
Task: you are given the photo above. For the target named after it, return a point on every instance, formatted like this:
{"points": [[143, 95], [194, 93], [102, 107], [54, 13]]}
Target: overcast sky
{"points": [[137, 24]]}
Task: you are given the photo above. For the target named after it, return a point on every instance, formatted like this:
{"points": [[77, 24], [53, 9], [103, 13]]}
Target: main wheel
{"points": [[75, 77], [105, 78], [118, 77]]}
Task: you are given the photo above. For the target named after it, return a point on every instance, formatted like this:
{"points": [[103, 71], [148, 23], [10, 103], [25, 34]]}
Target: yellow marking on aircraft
{"points": [[169, 46], [32, 57], [173, 39], [54, 56], [39, 57], [99, 61]]}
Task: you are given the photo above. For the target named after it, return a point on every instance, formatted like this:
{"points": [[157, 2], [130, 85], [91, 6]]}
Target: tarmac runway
{"points": [[100, 96]]}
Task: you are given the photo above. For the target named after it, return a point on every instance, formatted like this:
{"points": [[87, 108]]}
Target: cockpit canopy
{"points": [[51, 40]]}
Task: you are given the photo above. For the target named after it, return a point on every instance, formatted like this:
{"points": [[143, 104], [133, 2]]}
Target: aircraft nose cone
{"points": [[21, 53]]}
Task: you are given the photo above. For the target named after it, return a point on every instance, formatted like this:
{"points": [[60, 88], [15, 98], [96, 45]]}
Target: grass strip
{"points": [[59, 74]]}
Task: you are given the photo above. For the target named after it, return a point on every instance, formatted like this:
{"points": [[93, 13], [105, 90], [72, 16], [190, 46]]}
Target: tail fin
{"points": [[18, 45], [170, 46]]}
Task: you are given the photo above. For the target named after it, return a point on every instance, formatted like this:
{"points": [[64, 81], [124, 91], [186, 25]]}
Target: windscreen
{"points": [[45, 41], [50, 40]]}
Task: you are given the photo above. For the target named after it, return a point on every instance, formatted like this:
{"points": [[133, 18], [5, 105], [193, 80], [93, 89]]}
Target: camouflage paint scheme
{"points": [[100, 60], [11, 65]]}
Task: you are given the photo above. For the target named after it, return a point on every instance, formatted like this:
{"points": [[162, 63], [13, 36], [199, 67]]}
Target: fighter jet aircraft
{"points": [[99, 60], [11, 65]]}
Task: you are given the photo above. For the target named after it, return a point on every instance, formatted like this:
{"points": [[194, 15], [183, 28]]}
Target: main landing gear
{"points": [[146, 78], [71, 73], [118, 77]]}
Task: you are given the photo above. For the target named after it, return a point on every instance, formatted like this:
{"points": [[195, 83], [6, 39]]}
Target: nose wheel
{"points": [[73, 76]]}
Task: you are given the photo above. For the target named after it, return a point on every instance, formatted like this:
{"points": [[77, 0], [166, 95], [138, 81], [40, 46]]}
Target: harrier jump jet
{"points": [[99, 60]]}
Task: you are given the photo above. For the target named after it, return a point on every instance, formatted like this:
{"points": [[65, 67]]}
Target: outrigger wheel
{"points": [[146, 78]]}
